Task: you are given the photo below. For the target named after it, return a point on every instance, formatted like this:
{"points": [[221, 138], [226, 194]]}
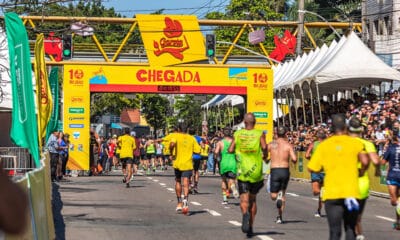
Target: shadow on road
{"points": [[268, 233], [77, 190], [191, 213], [294, 221], [57, 206]]}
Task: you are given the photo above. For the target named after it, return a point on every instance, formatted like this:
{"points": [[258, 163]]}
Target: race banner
{"points": [[53, 83], [43, 93], [24, 128]]}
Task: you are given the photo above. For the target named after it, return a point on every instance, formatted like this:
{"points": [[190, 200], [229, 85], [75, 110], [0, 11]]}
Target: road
{"points": [[101, 207]]}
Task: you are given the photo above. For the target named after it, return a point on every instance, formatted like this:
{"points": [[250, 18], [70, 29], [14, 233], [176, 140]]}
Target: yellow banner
{"points": [[77, 117], [172, 39], [43, 92]]}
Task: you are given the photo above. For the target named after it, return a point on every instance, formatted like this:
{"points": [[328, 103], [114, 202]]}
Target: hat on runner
{"points": [[114, 136]]}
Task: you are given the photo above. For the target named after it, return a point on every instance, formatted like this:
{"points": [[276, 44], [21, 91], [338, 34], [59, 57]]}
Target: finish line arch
{"points": [[80, 80]]}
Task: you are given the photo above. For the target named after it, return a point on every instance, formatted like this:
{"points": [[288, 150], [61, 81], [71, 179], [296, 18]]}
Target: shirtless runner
{"points": [[280, 152]]}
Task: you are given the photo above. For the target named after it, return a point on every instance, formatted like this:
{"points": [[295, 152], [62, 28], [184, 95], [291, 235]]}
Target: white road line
{"points": [[212, 212], [150, 178], [293, 194], [315, 199], [170, 189], [196, 203], [235, 223], [386, 218], [163, 184], [156, 180], [263, 237]]}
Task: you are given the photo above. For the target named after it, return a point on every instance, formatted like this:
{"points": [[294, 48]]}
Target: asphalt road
{"points": [[101, 207]]}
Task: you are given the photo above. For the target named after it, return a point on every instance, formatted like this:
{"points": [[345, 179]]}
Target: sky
{"points": [[200, 8]]}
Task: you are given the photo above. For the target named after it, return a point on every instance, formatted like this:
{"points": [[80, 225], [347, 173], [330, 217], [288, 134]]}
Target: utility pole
{"points": [[300, 28], [364, 20]]}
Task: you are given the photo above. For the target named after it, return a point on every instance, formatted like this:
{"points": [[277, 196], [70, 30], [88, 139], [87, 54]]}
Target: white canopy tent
{"points": [[344, 65]]}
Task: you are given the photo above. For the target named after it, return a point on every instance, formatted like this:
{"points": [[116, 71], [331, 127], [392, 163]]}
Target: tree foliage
{"points": [[154, 108], [110, 104]]}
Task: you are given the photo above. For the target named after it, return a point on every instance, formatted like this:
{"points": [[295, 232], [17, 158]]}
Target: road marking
{"points": [[315, 199], [235, 223], [155, 180], [196, 203], [212, 212], [163, 184], [293, 194], [386, 218], [263, 237], [150, 178], [170, 189]]}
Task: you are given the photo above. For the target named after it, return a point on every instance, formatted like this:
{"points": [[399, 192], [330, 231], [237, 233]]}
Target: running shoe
{"points": [[250, 232], [279, 220], [360, 237], [398, 207], [279, 200], [224, 202], [185, 208], [317, 214], [235, 191], [195, 190], [124, 180], [396, 226], [178, 209], [246, 222]]}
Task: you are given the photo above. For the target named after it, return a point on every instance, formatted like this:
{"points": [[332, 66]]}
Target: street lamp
{"points": [[321, 17]]}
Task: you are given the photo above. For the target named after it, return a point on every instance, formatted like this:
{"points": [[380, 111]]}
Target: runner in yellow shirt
{"points": [[183, 146], [338, 156], [127, 145]]}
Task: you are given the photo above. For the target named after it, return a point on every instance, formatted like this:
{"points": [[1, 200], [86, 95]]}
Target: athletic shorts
{"points": [[127, 160], [361, 205], [317, 177], [149, 156], [279, 179], [204, 158], [159, 155], [196, 165], [228, 175], [393, 182], [136, 160], [248, 187], [182, 174]]}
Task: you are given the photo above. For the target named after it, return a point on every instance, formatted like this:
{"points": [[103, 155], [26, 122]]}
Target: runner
{"points": [[392, 158], [150, 155], [228, 165], [281, 152], [127, 147], [112, 145], [355, 129], [205, 149], [317, 179], [159, 154], [136, 155], [183, 146], [338, 156], [250, 147], [194, 180]]}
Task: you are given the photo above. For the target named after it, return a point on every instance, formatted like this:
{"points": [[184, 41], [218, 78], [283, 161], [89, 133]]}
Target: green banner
{"points": [[53, 82], [24, 128]]}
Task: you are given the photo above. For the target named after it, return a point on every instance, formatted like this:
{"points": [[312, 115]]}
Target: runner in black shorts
{"points": [[279, 179]]}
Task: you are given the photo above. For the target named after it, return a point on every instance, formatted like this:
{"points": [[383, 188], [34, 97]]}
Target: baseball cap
{"points": [[133, 133], [114, 136], [367, 102]]}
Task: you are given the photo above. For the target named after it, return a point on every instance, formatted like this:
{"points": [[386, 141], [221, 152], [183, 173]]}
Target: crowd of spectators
{"points": [[379, 116]]}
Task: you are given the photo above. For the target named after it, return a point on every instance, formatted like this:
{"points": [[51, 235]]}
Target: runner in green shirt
{"points": [[250, 147]]}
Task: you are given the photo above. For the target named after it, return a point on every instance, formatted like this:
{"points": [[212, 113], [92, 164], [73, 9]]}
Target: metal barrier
{"points": [[16, 161]]}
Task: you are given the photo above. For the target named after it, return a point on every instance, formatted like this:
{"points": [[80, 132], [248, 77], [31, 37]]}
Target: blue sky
{"points": [[191, 7]]}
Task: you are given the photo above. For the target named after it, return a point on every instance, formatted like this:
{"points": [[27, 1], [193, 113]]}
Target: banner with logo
{"points": [[53, 82], [24, 127], [43, 93], [77, 116], [171, 40]]}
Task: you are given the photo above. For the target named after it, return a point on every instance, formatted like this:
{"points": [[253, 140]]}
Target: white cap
{"points": [[133, 133]]}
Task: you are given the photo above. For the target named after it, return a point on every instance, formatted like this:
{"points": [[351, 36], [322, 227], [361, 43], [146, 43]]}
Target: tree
{"points": [[247, 9], [110, 103], [154, 108]]}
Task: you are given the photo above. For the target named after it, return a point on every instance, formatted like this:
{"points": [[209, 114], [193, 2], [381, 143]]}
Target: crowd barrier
{"points": [[37, 185], [377, 184]]}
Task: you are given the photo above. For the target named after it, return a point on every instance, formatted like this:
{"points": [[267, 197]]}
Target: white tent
{"points": [[344, 65]]}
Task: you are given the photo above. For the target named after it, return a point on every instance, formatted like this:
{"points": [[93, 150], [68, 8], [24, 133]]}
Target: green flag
{"points": [[24, 127], [53, 82]]}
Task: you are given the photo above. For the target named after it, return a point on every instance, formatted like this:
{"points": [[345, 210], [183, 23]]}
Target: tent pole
{"points": [[277, 112], [304, 109], [319, 103], [311, 105], [290, 113]]}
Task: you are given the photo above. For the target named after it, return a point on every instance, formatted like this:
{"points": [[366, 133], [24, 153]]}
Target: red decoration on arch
{"points": [[284, 46], [53, 46]]}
